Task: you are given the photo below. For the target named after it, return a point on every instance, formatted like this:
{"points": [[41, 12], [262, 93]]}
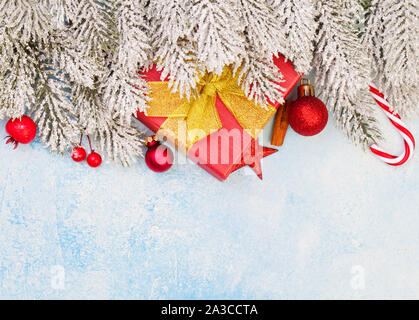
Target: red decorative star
{"points": [[253, 156]]}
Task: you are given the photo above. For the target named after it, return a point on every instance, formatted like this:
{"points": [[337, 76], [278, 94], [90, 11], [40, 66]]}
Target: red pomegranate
{"points": [[20, 130]]}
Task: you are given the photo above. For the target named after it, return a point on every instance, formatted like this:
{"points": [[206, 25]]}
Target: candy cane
{"points": [[409, 140]]}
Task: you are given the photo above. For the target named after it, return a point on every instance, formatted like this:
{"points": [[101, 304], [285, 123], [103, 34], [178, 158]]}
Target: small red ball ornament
{"points": [[94, 159], [159, 158], [307, 115], [78, 154], [20, 130]]}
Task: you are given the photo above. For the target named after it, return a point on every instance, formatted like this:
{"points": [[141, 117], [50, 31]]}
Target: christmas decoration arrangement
{"points": [[70, 68], [217, 128]]}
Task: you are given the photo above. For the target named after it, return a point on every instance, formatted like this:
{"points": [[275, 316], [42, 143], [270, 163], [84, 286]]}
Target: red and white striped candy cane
{"points": [[409, 140]]}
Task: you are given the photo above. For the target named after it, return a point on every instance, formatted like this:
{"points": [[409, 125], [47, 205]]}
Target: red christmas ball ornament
{"points": [[20, 130], [94, 159], [78, 154], [307, 115], [159, 158]]}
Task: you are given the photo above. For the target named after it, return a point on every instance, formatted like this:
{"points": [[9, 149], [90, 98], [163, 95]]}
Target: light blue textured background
{"points": [[326, 217]]}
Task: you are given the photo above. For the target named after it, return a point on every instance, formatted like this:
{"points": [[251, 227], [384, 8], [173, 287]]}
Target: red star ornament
{"points": [[253, 156]]}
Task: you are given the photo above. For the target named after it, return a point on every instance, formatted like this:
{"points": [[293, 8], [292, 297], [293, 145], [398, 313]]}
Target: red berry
{"points": [[22, 130], [78, 154], [94, 159]]}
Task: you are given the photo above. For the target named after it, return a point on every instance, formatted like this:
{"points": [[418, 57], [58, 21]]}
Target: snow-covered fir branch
{"points": [[174, 51], [120, 141], [343, 69], [124, 94], [191, 37], [217, 32], [53, 111], [124, 91], [392, 39], [295, 29], [54, 52], [259, 77], [134, 48], [18, 69], [26, 20], [261, 80], [94, 31], [114, 33]]}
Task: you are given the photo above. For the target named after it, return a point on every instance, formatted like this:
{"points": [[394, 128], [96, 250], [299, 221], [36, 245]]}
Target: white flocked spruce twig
{"points": [[392, 39], [343, 69]]}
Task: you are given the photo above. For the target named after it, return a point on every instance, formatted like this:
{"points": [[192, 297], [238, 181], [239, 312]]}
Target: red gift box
{"points": [[220, 151]]}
